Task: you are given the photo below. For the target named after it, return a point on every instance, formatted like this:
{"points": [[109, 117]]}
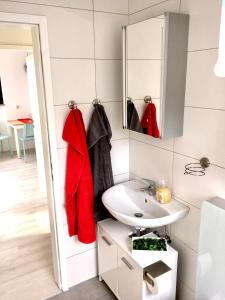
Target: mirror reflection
{"points": [[143, 61]]}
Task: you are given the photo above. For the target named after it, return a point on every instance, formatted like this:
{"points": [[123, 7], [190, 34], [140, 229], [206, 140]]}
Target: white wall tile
{"points": [[120, 156], [187, 263], [114, 114], [165, 144], [196, 189], [203, 88], [170, 5], [109, 80], [135, 5], [138, 36], [204, 23], [108, 38], [73, 37], [116, 6], [144, 78], [187, 229], [73, 79], [121, 178], [184, 292], [61, 113], [204, 132], [73, 246], [82, 267], [83, 4], [150, 162]]}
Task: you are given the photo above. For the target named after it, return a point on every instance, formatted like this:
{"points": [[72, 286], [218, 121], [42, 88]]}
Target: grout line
{"points": [[86, 103], [148, 59], [147, 7], [183, 242], [185, 202], [86, 58], [171, 151], [96, 94], [62, 6], [121, 174], [112, 140], [208, 108], [174, 152], [180, 7], [211, 164], [205, 49]]}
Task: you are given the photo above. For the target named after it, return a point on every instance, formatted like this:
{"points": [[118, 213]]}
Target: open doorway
{"points": [[29, 250]]}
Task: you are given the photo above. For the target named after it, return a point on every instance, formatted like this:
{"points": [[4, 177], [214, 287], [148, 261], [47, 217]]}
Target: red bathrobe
{"points": [[79, 184], [149, 121]]}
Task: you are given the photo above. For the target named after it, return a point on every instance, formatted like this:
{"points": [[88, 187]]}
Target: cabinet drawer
{"points": [[107, 260], [129, 278]]}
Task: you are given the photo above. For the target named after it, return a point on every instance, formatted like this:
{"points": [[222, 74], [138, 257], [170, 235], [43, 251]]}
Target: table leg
{"points": [[17, 142]]}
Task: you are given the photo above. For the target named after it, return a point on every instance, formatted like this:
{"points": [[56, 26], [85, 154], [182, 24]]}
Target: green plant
{"points": [[153, 244]]}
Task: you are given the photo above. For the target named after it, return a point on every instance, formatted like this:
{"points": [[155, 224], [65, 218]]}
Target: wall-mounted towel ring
{"points": [[96, 101], [197, 169], [129, 99], [72, 104], [148, 99]]}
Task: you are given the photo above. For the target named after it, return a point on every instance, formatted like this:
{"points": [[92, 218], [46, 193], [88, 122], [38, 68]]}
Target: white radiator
{"points": [[211, 256]]}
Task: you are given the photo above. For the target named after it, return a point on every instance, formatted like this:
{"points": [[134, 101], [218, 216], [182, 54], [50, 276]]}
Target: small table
{"points": [[16, 125]]}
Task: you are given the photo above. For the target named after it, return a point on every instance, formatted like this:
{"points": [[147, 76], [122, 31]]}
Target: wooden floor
{"points": [[25, 247]]}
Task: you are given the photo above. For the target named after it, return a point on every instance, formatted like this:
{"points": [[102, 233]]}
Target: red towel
{"points": [[79, 184], [149, 121]]}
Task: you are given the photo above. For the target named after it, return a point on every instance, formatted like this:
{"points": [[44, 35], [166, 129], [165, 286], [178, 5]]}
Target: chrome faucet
{"points": [[151, 186]]}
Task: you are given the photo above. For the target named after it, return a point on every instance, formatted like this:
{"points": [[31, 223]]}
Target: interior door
{"points": [[42, 137]]}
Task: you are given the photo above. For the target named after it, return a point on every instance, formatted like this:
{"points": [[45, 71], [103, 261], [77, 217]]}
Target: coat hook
{"points": [[72, 104], [148, 99]]}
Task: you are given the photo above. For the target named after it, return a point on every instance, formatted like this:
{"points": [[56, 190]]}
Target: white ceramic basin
{"points": [[124, 200]]}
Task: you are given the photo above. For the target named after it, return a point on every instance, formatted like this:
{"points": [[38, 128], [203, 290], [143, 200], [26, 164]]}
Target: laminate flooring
{"points": [[25, 246]]}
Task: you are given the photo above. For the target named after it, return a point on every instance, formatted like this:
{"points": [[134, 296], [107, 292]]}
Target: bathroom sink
{"points": [[129, 204]]}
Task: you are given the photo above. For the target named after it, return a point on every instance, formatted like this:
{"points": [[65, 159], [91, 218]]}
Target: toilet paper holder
{"points": [[152, 272]]}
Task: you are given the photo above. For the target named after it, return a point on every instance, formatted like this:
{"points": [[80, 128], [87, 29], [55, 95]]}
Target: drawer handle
{"points": [[106, 240], [127, 263]]}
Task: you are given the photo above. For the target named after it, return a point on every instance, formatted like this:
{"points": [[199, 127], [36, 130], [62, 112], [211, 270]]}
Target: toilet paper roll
{"points": [[159, 284]]}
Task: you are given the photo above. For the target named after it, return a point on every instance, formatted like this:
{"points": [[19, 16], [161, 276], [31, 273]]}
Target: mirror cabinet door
{"points": [[145, 63]]}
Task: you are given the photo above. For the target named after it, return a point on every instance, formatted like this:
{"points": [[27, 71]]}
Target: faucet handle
{"points": [[148, 181]]}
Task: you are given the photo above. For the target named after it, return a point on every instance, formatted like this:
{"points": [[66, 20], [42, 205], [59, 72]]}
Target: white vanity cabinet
{"points": [[107, 260], [130, 277], [123, 271]]}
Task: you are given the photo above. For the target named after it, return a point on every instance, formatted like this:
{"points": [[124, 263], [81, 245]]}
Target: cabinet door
{"points": [[107, 260], [130, 278]]}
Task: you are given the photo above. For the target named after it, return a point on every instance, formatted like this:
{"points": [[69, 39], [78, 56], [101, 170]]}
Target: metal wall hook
{"points": [[197, 169], [96, 101], [147, 99], [72, 104]]}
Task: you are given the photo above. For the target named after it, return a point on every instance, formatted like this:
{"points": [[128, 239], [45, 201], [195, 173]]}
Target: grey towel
{"points": [[133, 122], [99, 146]]}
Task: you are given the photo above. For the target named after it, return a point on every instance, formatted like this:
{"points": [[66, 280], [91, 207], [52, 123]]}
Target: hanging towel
{"points": [[149, 121], [98, 139], [78, 185], [133, 122]]}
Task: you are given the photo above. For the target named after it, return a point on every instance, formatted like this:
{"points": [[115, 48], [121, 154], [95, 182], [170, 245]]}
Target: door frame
{"points": [[47, 117]]}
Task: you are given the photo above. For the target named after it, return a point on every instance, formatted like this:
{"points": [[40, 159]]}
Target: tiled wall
{"points": [[204, 130], [85, 52]]}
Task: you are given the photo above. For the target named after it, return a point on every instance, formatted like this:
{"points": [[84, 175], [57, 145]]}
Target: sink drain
{"points": [[138, 215]]}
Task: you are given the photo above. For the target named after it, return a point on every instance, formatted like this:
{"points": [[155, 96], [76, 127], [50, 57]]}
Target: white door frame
{"points": [[49, 141]]}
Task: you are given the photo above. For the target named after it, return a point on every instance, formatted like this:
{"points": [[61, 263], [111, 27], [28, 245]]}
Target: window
{"points": [[1, 95]]}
